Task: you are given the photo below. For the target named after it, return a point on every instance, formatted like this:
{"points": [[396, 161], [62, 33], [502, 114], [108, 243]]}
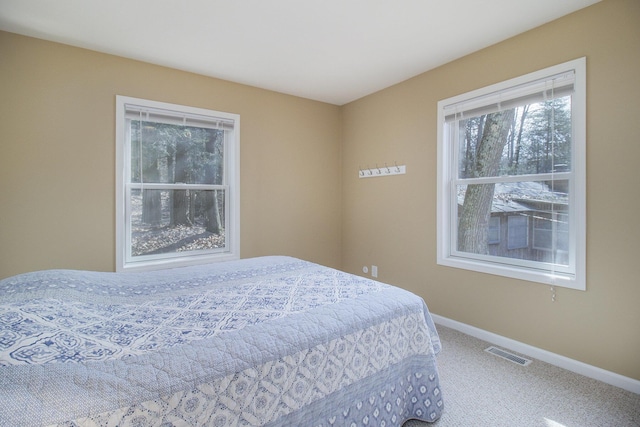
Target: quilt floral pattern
{"points": [[270, 341]]}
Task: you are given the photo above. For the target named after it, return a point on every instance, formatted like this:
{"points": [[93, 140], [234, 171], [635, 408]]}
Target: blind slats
{"points": [[542, 90], [136, 112]]}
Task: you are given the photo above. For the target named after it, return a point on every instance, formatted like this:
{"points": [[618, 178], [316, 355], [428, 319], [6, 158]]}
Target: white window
{"points": [[177, 176], [516, 148]]}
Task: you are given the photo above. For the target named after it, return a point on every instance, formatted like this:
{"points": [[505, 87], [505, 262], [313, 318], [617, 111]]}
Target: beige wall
{"points": [[391, 222], [57, 154], [300, 191]]}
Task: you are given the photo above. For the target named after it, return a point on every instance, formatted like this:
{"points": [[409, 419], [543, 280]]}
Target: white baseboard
{"points": [[572, 365]]}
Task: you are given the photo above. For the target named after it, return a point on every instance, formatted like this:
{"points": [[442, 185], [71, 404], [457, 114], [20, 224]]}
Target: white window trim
{"points": [[575, 276], [232, 171]]}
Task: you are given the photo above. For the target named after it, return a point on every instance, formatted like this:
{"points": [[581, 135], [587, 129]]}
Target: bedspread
{"points": [[264, 341]]}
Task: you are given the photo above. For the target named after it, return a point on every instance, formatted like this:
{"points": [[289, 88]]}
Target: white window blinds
{"points": [[148, 114], [541, 90]]}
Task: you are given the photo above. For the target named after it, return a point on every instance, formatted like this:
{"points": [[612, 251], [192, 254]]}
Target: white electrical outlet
{"points": [[374, 270], [365, 269]]}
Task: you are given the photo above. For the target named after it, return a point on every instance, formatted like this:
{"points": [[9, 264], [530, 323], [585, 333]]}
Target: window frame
{"points": [[231, 186], [573, 276]]}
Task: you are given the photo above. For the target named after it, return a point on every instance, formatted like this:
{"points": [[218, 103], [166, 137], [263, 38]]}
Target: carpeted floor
{"points": [[480, 389]]}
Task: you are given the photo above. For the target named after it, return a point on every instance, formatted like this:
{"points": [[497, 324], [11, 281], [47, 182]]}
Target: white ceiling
{"points": [[334, 51]]}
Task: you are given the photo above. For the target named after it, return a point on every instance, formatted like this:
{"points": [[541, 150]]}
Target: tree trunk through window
{"points": [[212, 211], [151, 199], [473, 225], [180, 206]]}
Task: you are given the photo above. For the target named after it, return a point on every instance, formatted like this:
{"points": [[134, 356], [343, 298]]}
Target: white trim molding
{"points": [[563, 362]]}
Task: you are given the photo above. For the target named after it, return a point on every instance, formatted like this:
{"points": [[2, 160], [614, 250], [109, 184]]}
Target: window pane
{"points": [[177, 221], [551, 232], [530, 139], [484, 208], [165, 153]]}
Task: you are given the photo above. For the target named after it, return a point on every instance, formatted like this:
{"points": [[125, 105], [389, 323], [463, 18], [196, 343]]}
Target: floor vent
{"points": [[509, 356]]}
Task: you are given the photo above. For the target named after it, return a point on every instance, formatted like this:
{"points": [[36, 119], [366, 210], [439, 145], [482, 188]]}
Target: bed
{"points": [[273, 341]]}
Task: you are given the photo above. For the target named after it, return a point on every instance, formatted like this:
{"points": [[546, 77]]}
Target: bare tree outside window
{"points": [[176, 220], [527, 140]]}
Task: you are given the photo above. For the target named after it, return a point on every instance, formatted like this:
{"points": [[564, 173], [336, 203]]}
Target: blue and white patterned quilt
{"points": [[271, 341]]}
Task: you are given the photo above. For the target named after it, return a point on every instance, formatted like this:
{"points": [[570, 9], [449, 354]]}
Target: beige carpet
{"points": [[480, 389]]}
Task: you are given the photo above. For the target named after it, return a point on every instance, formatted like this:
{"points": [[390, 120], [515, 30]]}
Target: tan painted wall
{"points": [[391, 222], [57, 154]]}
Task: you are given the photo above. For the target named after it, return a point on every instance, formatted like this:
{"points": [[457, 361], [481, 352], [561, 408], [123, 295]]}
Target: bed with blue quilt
{"points": [[273, 341]]}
